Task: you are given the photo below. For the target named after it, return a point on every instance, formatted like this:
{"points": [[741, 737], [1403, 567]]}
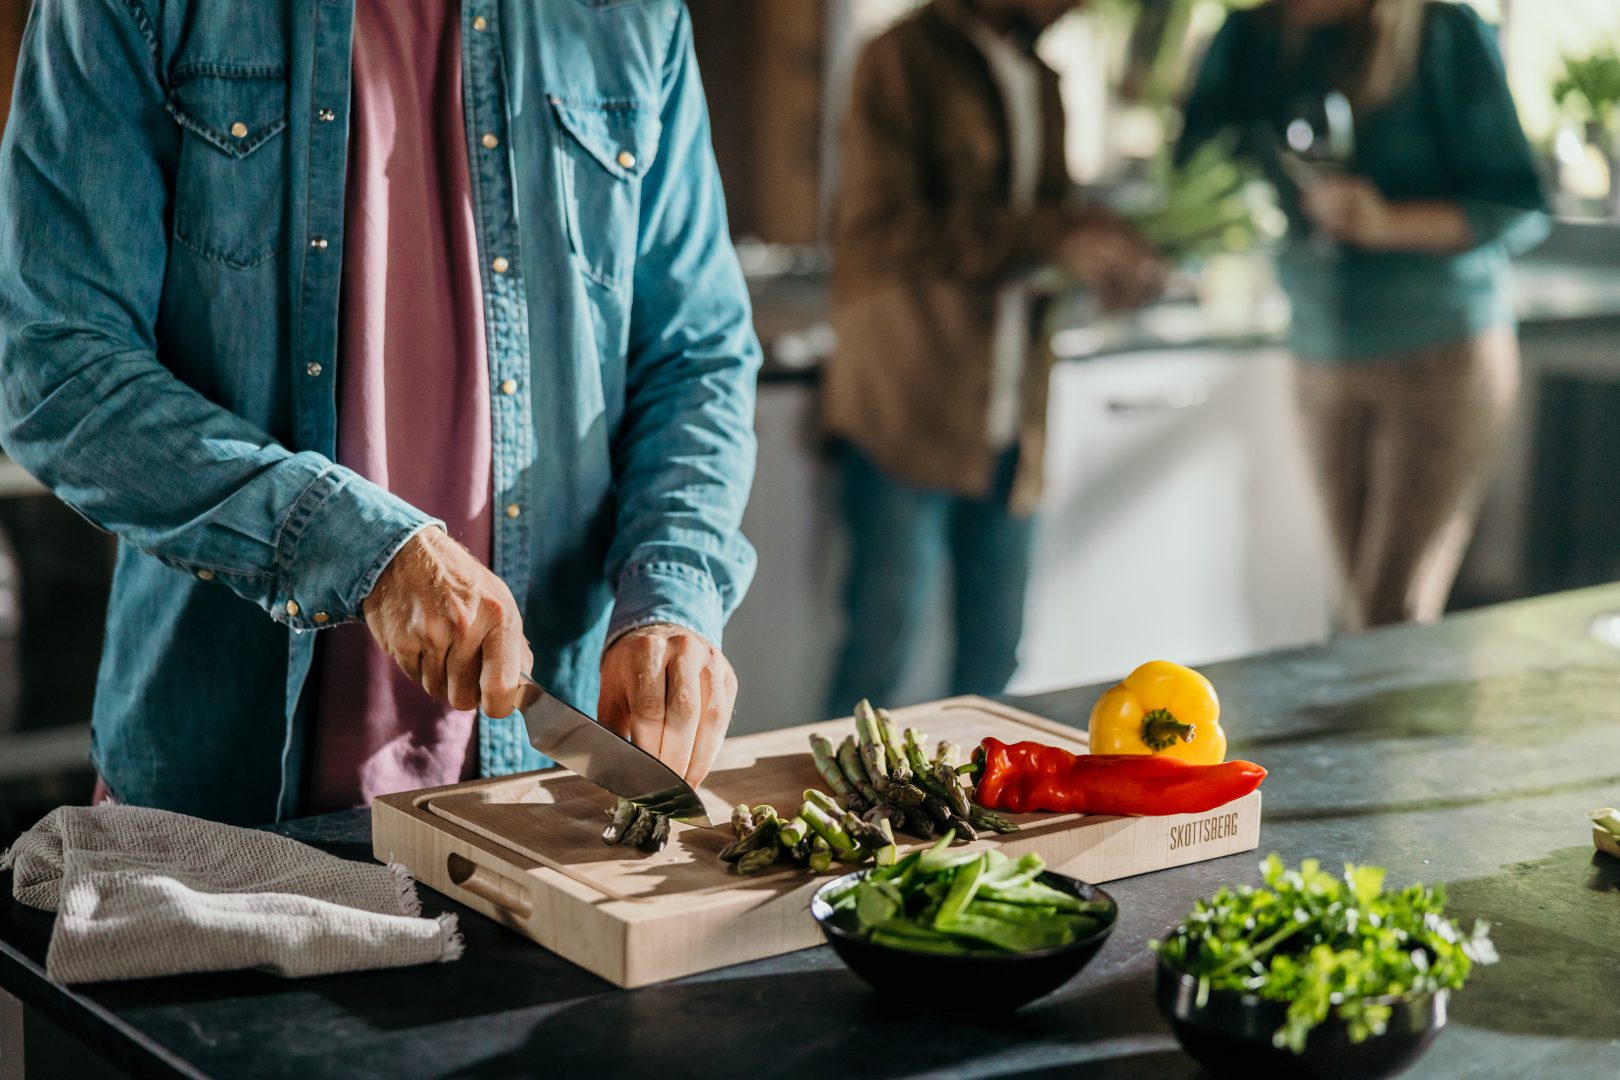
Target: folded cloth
{"points": [[140, 892]]}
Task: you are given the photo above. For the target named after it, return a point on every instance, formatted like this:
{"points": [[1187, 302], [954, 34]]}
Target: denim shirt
{"points": [[171, 236]]}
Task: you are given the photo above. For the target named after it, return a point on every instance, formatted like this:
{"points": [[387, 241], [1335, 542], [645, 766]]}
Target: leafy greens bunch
{"points": [[1323, 944]]}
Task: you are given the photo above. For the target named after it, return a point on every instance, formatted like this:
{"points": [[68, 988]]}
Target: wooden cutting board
{"points": [[526, 850]]}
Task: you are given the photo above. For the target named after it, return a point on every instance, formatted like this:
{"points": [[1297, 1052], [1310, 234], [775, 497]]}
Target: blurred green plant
{"points": [[1588, 90]]}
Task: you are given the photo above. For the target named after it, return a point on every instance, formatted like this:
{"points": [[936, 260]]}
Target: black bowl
{"points": [[1230, 1034], [999, 982]]}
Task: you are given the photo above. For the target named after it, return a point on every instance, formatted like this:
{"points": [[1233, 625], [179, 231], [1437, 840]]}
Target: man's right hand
{"points": [[450, 624], [1108, 256]]}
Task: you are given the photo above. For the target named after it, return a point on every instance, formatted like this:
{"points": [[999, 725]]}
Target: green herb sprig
{"points": [[1323, 944]]}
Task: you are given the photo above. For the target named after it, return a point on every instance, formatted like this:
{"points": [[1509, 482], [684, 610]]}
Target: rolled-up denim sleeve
{"points": [[684, 458], [86, 402]]}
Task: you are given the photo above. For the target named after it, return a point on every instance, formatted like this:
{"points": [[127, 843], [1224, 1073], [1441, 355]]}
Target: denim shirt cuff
{"points": [[667, 593], [337, 539]]}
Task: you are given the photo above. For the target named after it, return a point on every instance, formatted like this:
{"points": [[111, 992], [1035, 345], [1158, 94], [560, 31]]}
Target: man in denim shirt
{"points": [[173, 217]]}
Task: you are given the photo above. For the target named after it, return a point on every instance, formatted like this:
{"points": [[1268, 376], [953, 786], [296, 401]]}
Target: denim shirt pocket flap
{"points": [[236, 113], [621, 136]]}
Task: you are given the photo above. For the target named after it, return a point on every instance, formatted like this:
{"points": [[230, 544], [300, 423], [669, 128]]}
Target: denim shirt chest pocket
{"points": [[603, 150], [229, 182]]}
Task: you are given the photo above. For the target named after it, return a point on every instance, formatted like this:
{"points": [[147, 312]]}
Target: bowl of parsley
{"points": [[1314, 975]]}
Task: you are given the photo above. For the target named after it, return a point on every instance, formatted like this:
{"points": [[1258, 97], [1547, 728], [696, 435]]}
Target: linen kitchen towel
{"points": [[140, 892]]}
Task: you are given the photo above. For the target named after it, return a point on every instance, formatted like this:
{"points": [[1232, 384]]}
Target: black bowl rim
{"points": [[1248, 997], [824, 920]]}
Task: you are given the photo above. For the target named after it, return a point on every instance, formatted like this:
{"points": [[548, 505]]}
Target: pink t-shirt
{"points": [[413, 384]]}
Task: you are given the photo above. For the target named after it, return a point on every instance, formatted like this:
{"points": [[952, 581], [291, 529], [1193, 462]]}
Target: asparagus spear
{"points": [[908, 796], [893, 751], [624, 812], [994, 822], [838, 839], [821, 748], [963, 829], [873, 757], [949, 753], [834, 811], [946, 778], [866, 834], [849, 759], [938, 809], [742, 820], [820, 855]]}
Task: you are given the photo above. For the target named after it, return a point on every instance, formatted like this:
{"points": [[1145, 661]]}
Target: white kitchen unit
{"points": [[1178, 522]]}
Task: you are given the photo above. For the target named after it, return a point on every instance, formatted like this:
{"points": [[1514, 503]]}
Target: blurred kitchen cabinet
{"points": [[1178, 522], [764, 72], [1178, 519]]}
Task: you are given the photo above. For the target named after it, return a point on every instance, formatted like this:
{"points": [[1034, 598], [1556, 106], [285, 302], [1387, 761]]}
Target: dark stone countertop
{"points": [[1466, 753]]}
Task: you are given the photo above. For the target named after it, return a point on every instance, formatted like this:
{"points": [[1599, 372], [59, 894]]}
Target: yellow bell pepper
{"points": [[1160, 708]]}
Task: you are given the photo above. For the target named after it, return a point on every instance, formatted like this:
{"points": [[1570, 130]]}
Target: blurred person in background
{"points": [[955, 191], [1396, 264]]}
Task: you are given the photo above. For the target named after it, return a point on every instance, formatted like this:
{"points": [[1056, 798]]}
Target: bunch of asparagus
{"points": [[1208, 204], [884, 778], [820, 832], [637, 826]]}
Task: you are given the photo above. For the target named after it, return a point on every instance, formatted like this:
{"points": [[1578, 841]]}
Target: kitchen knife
{"points": [[574, 740]]}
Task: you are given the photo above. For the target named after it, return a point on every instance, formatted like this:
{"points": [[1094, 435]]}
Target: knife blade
{"points": [[572, 739]]}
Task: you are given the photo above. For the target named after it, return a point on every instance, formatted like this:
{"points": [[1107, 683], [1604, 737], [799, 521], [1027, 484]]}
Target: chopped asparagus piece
{"points": [[906, 795], [820, 855], [624, 812], [842, 844], [641, 828], [792, 831], [660, 834], [758, 860], [742, 820]]}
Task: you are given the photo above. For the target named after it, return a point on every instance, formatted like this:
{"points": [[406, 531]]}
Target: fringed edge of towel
{"points": [[6, 857], [451, 945], [405, 889]]}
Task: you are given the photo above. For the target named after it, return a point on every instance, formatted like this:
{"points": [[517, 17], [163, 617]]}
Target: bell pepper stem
{"points": [[1160, 730], [972, 768]]}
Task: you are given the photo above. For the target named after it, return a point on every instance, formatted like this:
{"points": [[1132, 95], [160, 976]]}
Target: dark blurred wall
{"points": [[762, 65], [13, 13]]}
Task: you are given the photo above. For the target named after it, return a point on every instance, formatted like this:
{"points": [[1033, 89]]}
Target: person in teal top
{"points": [[1392, 136]]}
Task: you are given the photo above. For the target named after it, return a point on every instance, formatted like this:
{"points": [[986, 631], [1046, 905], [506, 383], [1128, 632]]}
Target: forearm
{"points": [[1433, 226]]}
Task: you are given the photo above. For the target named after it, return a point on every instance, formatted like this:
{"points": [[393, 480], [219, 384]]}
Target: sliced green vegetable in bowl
{"points": [[1009, 928]]}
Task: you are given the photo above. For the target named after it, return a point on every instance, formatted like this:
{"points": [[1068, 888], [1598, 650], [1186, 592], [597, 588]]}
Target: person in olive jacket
{"points": [[954, 192]]}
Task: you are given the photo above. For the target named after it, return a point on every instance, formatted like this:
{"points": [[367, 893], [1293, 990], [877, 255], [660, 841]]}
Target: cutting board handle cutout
{"points": [[486, 884]]}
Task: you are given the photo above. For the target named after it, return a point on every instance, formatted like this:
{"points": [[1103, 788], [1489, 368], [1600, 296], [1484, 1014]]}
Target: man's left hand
{"points": [[670, 692], [1349, 209]]}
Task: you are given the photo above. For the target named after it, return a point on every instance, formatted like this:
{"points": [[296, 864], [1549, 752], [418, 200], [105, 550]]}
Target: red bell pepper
{"points": [[1027, 776]]}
